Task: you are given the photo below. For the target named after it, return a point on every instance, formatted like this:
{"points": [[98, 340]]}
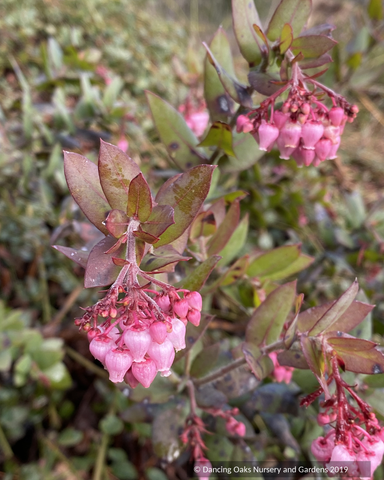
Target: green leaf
{"points": [[139, 199], [166, 433], [375, 9], [162, 217], [337, 309], [5, 360], [70, 437], [220, 136], [312, 46], [356, 208], [264, 82], [179, 140], [219, 240], [274, 261], [185, 195], [286, 38], [244, 16], [116, 170], [112, 91], [293, 358], [313, 355], [261, 365], [219, 448], [155, 474], [117, 223], [297, 266], [84, 184], [58, 376], [111, 425], [294, 12], [235, 243], [234, 88], [161, 257], [204, 225], [205, 361], [219, 103], [235, 272], [247, 153], [196, 280], [101, 270], [268, 319]]}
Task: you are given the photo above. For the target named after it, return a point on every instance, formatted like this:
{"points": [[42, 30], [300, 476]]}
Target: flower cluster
{"points": [[233, 426], [348, 444], [280, 372], [140, 333], [303, 128]]}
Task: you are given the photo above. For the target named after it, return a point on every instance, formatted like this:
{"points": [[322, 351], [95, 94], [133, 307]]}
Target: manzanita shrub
{"points": [[141, 320]]}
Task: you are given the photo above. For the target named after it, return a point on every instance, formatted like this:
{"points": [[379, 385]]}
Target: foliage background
{"points": [[59, 416]]}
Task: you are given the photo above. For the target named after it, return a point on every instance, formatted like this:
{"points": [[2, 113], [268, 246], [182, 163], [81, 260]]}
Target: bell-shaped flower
{"points": [[145, 372], [162, 354], [100, 346], [117, 362], [138, 342], [177, 336]]}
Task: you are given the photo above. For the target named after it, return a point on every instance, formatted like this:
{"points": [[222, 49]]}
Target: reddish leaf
{"points": [[313, 355], [161, 218], [78, 256], [352, 317], [309, 317], [120, 262], [146, 237], [117, 245], [139, 199], [261, 365], [100, 269], [116, 171], [161, 257], [84, 184], [316, 62], [225, 230], [268, 319], [363, 361], [294, 12], [185, 195], [290, 335], [348, 343], [293, 358], [117, 223], [337, 309], [312, 46]]}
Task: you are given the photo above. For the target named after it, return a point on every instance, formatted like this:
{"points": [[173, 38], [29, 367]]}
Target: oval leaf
{"points": [[225, 230], [272, 262], [263, 82], [312, 46], [197, 279], [179, 140], [116, 170], [160, 219], [100, 269], [185, 195], [220, 136], [84, 184], [294, 12], [117, 223], [139, 199], [286, 38], [261, 365], [78, 256]]}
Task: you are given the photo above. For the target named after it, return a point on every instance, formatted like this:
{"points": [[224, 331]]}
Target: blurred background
{"points": [[73, 72]]}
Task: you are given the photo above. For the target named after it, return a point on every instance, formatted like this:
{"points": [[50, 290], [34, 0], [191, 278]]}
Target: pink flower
{"points": [[311, 133], [117, 362], [322, 449], [177, 335], [162, 354], [145, 372], [268, 134], [123, 144], [158, 331], [343, 457], [281, 373], [138, 342], [100, 346], [194, 299], [197, 122]]}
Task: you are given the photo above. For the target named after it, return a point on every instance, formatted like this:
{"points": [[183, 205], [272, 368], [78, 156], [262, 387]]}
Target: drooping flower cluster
{"points": [[141, 331], [348, 445], [196, 117], [281, 373], [303, 128]]}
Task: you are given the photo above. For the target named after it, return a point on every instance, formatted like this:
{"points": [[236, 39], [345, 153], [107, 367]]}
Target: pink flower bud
{"points": [[123, 144], [162, 354], [93, 332], [305, 108], [336, 115], [322, 449], [303, 156], [177, 336], [100, 346], [267, 135], [194, 316], [138, 342], [243, 124], [240, 429], [117, 362], [194, 300], [323, 419], [198, 122], [163, 302], [291, 134], [285, 152], [311, 133], [280, 118], [158, 331], [342, 457], [130, 379], [322, 148], [181, 308], [332, 152], [145, 372], [332, 133]]}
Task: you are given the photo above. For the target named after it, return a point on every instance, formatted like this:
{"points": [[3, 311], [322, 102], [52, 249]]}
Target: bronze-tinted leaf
{"points": [[161, 257], [244, 16], [116, 170], [160, 219], [225, 230], [178, 139], [117, 223], [261, 365], [312, 46], [235, 272], [84, 184], [293, 358], [78, 256], [185, 195], [268, 319], [139, 199], [100, 269], [366, 361], [146, 237], [294, 12], [315, 62], [350, 344], [219, 103], [234, 88], [336, 310], [204, 225], [313, 355], [352, 317]]}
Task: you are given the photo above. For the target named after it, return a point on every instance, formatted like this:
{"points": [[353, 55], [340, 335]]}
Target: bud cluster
{"points": [[348, 444], [281, 373], [140, 333], [303, 128], [233, 426]]}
